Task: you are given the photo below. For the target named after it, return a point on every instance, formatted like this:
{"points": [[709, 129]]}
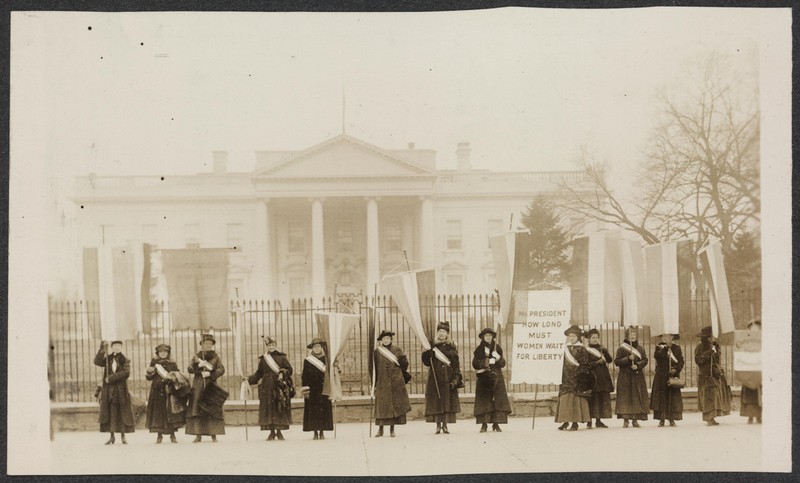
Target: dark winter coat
{"points": [[569, 372], [665, 400], [199, 383], [599, 367], [490, 389], [446, 379], [159, 417], [391, 396], [318, 411], [712, 387], [632, 396], [270, 410], [115, 391]]}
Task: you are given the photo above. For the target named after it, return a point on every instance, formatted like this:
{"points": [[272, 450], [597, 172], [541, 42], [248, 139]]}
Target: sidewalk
{"points": [[732, 446]]}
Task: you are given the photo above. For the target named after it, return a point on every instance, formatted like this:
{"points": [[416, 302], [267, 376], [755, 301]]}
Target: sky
{"points": [[155, 93]]}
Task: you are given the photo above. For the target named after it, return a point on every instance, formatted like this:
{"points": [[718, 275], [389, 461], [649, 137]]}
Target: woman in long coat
{"points": [[317, 410], [751, 396], [275, 391], [444, 380], [573, 397], [632, 400], [599, 358], [713, 392], [491, 398], [665, 401], [205, 415], [391, 397], [159, 418], [116, 413]]}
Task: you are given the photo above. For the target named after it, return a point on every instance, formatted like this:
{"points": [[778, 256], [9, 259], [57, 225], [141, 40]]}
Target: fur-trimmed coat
{"points": [[115, 391]]}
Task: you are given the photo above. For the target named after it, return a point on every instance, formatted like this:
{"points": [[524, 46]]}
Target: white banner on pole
{"points": [[537, 351]]}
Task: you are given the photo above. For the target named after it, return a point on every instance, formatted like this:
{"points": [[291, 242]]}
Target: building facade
{"points": [[338, 215]]}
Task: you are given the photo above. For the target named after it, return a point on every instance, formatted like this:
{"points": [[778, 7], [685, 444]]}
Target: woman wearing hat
{"points": [[116, 413], [599, 358], [444, 380], [317, 412], [573, 401], [751, 396], [665, 400], [159, 418], [632, 400], [391, 397], [491, 398], [275, 391], [205, 416], [713, 392]]}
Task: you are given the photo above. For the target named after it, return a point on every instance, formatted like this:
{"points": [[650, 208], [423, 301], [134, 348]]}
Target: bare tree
{"points": [[700, 175]]}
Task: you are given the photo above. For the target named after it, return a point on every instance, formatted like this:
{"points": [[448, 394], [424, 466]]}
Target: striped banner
{"points": [[112, 277], [197, 287], [414, 294], [747, 357], [510, 253], [714, 273], [668, 286], [335, 328], [633, 282], [596, 279]]}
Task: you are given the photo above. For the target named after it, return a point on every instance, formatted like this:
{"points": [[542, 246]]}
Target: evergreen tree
{"points": [[549, 261]]}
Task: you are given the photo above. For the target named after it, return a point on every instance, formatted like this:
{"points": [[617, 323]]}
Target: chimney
{"points": [[462, 153], [220, 162], [411, 146]]}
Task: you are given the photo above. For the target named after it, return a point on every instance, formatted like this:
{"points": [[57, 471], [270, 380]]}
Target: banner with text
{"points": [[537, 352]]}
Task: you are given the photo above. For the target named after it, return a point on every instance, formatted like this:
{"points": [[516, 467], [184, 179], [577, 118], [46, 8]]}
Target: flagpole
{"points": [[433, 370], [237, 345], [535, 395], [372, 357]]}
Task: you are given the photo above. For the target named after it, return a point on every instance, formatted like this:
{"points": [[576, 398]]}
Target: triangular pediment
{"points": [[343, 156]]}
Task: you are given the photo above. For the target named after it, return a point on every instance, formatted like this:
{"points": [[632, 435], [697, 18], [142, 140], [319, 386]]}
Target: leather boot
{"points": [[197, 439], [111, 439], [279, 435], [438, 428], [563, 427], [160, 438], [444, 428], [380, 432], [496, 428], [172, 438], [483, 428], [122, 437]]}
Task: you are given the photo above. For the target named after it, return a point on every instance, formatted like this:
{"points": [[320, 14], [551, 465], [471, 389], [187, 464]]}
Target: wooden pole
{"points": [[535, 396], [405, 255]]}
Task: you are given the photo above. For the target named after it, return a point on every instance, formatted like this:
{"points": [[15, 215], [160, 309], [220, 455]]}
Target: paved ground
{"points": [[732, 446]]}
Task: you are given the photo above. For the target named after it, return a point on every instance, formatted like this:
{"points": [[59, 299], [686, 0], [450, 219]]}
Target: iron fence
{"points": [[75, 342]]}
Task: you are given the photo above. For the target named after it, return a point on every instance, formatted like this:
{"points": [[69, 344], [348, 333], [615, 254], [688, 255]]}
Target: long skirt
{"points": [[391, 421], [667, 404], [721, 405], [115, 424], [750, 403], [447, 418], [205, 426], [494, 417], [600, 404], [572, 409]]}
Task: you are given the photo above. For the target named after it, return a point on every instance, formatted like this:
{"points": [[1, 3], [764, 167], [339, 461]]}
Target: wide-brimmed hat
{"points": [[384, 333], [754, 322], [206, 337], [316, 340], [116, 342], [270, 340], [706, 332], [591, 332], [573, 329], [674, 336], [163, 347], [443, 325], [485, 331]]}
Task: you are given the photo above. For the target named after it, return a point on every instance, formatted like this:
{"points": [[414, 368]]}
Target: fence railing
{"points": [[75, 341]]}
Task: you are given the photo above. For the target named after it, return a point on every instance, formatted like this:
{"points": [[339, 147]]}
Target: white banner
{"points": [[537, 352]]}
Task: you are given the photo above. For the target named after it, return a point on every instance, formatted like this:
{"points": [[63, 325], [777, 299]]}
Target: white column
{"points": [[373, 245], [263, 270], [317, 251], [427, 248]]}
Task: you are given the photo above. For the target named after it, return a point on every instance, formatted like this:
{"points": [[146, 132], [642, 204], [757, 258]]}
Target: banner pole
{"points": [[535, 396]]}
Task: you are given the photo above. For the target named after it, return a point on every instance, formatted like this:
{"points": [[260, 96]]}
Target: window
{"points": [[493, 228], [344, 236], [454, 234], [393, 237], [150, 234], [106, 234], [297, 237], [455, 284], [192, 235], [235, 237]]}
